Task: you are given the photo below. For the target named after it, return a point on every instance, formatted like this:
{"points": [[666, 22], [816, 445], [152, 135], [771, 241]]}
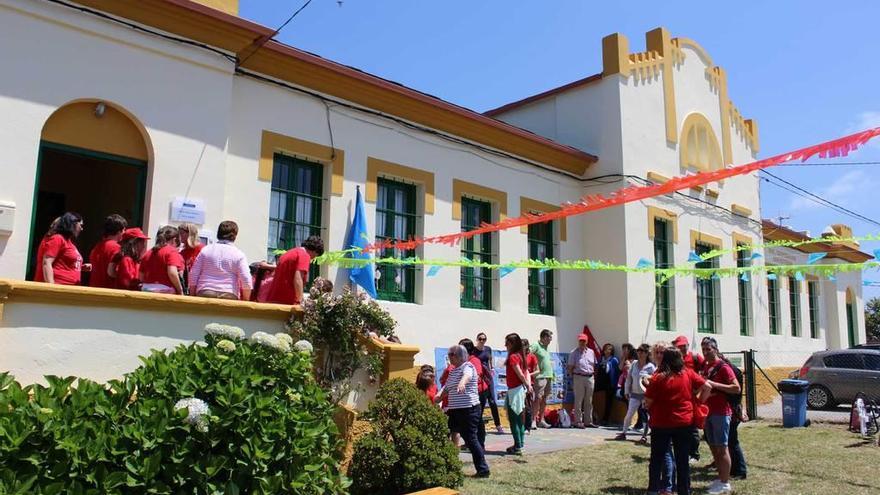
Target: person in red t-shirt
{"points": [[41, 248], [162, 265], [125, 266], [292, 272], [532, 367], [59, 261], [670, 401], [519, 384], [692, 361], [425, 382], [102, 254], [720, 375], [191, 246]]}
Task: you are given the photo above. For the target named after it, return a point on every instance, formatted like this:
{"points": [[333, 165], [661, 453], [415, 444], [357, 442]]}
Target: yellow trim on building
{"points": [[529, 205], [380, 168], [273, 142], [228, 6], [699, 146], [462, 188], [658, 40], [713, 193], [740, 239], [657, 178], [114, 132], [740, 210], [704, 238], [670, 216]]}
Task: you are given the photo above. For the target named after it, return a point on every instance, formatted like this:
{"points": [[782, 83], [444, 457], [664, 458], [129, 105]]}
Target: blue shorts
{"points": [[717, 429]]}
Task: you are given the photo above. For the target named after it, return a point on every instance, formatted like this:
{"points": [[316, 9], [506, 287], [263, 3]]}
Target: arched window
{"points": [[699, 146]]}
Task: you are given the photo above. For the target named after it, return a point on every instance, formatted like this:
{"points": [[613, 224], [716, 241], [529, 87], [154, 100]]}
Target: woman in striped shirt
{"points": [[464, 405]]}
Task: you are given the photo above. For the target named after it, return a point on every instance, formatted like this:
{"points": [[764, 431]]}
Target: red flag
{"points": [[591, 341]]}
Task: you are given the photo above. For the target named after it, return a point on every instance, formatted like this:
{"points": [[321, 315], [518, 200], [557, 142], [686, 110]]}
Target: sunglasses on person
{"points": [[481, 339]]}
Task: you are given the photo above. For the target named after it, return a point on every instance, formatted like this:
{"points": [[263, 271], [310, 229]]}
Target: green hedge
{"points": [[269, 428], [408, 449]]}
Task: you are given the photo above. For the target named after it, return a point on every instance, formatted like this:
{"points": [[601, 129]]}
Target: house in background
{"points": [[101, 118]]}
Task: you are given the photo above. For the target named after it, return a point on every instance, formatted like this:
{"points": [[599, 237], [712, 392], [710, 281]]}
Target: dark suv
{"points": [[837, 376]]}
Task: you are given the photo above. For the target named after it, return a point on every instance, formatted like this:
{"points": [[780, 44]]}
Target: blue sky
{"points": [[807, 71]]}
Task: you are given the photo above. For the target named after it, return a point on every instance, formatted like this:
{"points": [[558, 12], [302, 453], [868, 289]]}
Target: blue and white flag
{"points": [[364, 275]]}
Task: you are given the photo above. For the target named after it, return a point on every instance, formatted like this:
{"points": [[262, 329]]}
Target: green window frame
{"points": [[541, 288], [476, 283], [744, 289], [295, 205], [794, 304], [773, 305], [813, 302], [851, 324], [708, 309], [664, 290], [396, 218]]}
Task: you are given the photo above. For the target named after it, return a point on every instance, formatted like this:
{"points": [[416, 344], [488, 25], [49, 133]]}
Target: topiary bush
{"points": [[232, 416], [408, 449]]}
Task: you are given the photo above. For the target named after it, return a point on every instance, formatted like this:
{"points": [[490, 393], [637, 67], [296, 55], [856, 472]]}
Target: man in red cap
{"points": [[581, 366], [693, 361]]}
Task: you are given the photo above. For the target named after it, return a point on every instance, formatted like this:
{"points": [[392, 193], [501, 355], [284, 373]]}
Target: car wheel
{"points": [[819, 397]]}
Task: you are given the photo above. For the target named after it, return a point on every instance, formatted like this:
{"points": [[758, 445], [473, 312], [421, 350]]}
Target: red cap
{"points": [[583, 336], [680, 340], [133, 233]]}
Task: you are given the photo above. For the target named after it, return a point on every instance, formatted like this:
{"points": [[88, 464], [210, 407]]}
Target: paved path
{"points": [[547, 440], [773, 411]]}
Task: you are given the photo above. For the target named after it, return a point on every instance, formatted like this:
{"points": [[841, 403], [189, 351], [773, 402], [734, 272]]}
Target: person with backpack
{"points": [[719, 374]]}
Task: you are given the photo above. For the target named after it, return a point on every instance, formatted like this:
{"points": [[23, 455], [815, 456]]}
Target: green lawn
{"points": [[819, 460]]}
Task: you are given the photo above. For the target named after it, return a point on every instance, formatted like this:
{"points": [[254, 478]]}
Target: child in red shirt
{"points": [[162, 266], [126, 263]]}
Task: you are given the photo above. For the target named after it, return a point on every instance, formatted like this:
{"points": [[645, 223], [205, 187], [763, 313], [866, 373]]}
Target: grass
{"points": [[819, 460]]}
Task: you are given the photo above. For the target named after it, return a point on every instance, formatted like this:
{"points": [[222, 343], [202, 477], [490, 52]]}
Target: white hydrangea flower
{"points": [[304, 346], [224, 331], [197, 412], [264, 339], [285, 341], [226, 346]]}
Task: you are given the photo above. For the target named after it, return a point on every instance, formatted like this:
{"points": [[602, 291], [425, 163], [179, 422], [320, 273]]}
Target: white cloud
{"points": [[866, 120], [843, 190]]}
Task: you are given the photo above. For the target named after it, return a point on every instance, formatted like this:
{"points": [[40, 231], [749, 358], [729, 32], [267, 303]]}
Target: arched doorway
{"points": [[851, 320], [93, 160]]}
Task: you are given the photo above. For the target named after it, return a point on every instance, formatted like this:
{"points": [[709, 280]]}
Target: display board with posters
{"points": [[561, 389]]}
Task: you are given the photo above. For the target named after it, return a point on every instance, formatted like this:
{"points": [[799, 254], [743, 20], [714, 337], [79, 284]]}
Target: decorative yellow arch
{"points": [[699, 146], [99, 126]]}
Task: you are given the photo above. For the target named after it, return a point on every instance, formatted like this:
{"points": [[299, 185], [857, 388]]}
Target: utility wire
{"points": [[818, 199], [262, 40]]}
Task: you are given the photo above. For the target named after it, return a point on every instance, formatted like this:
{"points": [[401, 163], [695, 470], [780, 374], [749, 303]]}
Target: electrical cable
{"points": [[262, 40], [818, 199]]}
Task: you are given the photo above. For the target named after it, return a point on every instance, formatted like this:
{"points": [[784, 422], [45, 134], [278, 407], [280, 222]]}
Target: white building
{"points": [[98, 117]]}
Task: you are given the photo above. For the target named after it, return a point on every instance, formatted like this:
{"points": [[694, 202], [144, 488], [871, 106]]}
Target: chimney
{"points": [[840, 230], [228, 6]]}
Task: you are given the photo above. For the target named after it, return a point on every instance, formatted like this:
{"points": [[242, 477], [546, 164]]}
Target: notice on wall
{"points": [[188, 210], [561, 389]]}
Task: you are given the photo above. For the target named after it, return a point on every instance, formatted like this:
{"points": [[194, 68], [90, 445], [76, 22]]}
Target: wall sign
{"points": [[188, 210]]}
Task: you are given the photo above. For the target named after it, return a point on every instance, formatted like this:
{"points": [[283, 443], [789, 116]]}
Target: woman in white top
{"points": [[634, 388]]}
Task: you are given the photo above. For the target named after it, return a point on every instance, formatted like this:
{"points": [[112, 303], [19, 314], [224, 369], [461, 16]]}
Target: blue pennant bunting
{"points": [[644, 263], [771, 276], [715, 276], [877, 254], [694, 258], [799, 276], [814, 257], [744, 277], [832, 278], [434, 270], [755, 256], [542, 270], [505, 271]]}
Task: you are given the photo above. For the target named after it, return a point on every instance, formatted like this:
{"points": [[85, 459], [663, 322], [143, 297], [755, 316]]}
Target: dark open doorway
{"points": [[90, 183]]}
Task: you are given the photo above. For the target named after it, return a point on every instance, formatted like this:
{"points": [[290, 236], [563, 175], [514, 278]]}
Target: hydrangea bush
{"points": [[339, 326], [233, 416]]}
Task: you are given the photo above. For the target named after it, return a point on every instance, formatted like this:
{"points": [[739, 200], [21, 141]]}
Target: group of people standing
{"points": [[177, 263], [679, 397]]}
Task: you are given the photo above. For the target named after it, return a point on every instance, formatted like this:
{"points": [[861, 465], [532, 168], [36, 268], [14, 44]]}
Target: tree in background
{"points": [[872, 319]]}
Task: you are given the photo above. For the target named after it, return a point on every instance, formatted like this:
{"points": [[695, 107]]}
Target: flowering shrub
{"points": [[202, 419], [408, 449], [339, 326]]}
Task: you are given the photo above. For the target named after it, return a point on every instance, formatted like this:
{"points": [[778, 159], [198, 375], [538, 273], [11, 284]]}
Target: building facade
{"points": [[98, 117]]}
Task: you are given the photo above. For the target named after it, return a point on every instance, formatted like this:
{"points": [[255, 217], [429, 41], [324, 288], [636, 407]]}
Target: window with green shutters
{"points": [[744, 288], [295, 205], [708, 309], [476, 283], [813, 301], [396, 218], [663, 290], [541, 293], [794, 303], [773, 305]]}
